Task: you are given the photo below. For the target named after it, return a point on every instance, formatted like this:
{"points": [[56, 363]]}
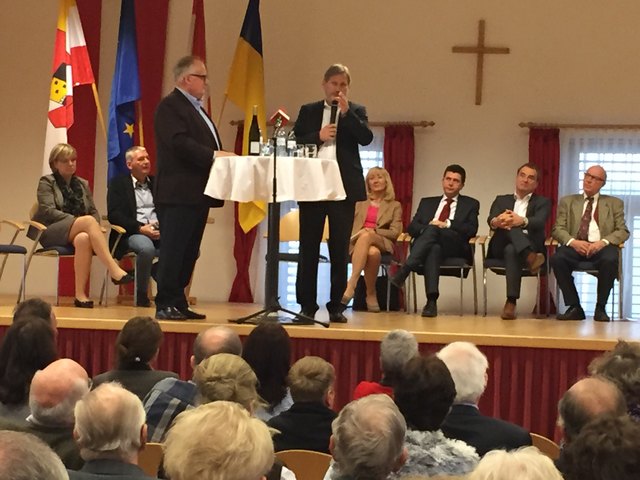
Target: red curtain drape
{"points": [[544, 151], [242, 247], [399, 157]]}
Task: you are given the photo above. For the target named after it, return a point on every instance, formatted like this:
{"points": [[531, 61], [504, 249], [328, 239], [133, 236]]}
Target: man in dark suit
{"points": [[468, 367], [130, 205], [517, 221], [441, 228], [589, 227], [338, 140], [187, 141]]}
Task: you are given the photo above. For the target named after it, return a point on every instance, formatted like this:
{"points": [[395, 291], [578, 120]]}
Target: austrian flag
{"points": [[71, 67]]}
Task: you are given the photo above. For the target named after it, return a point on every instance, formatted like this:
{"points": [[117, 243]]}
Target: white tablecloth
{"points": [[246, 179]]}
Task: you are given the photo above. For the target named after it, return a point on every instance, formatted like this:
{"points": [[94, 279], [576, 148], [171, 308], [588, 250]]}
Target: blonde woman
{"points": [[376, 225], [66, 208]]}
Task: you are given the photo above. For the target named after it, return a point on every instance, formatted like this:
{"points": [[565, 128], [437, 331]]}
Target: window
{"points": [[619, 154], [371, 156]]}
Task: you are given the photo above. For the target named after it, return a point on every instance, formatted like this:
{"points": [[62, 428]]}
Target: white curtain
{"points": [[618, 152]]}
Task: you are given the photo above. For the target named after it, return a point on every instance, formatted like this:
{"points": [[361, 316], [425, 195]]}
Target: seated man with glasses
{"points": [[589, 227]]}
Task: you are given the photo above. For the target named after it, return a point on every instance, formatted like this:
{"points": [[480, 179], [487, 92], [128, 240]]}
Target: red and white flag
{"points": [[71, 67]]}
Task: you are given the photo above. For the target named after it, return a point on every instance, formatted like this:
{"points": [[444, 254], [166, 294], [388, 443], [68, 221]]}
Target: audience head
{"points": [[267, 350], [379, 185], [622, 366], [219, 440], [25, 457], [36, 307], [110, 424], [606, 448], [28, 345], [396, 349], [215, 340], [425, 393], [137, 343], [527, 178], [227, 377], [453, 180], [311, 380], [368, 438], [55, 390], [468, 367], [523, 464], [62, 159], [586, 400]]}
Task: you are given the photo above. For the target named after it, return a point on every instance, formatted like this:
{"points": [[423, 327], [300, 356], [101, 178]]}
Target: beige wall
{"points": [[570, 61]]}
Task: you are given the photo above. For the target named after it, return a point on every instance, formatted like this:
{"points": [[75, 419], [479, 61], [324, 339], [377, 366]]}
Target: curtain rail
{"points": [[582, 126], [420, 124]]}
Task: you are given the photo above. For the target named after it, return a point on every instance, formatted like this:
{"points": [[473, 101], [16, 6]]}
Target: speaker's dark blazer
{"points": [[464, 222], [466, 423], [537, 213], [122, 209], [185, 149], [353, 130]]}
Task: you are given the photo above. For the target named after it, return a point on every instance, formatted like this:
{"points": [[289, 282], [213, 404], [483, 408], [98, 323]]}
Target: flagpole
{"points": [[224, 102], [99, 109], [140, 129]]}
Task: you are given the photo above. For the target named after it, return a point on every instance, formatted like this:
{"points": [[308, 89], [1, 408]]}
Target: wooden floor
{"points": [[524, 332]]}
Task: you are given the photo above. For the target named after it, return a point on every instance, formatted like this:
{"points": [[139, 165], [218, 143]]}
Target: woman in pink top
{"points": [[376, 226]]}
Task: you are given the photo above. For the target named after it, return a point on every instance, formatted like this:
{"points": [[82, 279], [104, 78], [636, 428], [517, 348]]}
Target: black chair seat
{"points": [[498, 266], [18, 249], [60, 249]]}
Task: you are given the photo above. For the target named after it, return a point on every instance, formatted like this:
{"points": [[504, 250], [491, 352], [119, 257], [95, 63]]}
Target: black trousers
{"points": [[509, 245], [312, 219], [181, 230], [429, 250], [564, 262]]}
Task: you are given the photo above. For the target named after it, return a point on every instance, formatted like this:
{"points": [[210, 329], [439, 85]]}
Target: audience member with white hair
{"points": [[468, 367], [219, 440], [110, 431], [368, 440], [523, 464], [424, 395], [396, 349], [25, 457]]}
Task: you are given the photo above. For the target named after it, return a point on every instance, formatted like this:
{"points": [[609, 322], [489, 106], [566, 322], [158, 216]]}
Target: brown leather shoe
{"points": [[509, 311], [534, 262]]}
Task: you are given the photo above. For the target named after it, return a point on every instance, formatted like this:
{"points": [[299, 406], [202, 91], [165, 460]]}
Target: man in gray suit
{"points": [[589, 227]]}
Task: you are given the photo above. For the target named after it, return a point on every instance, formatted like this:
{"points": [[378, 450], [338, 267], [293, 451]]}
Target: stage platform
{"points": [[532, 361]]}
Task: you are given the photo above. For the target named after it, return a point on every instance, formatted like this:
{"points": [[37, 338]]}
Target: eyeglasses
{"points": [[200, 76], [593, 177]]}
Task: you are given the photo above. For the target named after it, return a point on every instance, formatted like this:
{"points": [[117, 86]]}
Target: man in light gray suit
{"points": [[589, 227]]}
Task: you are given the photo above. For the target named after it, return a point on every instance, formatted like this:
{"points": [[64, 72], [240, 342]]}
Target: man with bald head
{"points": [[52, 397], [589, 227], [170, 396]]}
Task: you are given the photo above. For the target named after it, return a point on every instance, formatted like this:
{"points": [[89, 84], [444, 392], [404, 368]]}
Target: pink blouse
{"points": [[372, 217]]}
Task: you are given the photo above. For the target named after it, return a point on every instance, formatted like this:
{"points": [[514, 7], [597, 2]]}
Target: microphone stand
{"points": [[271, 299]]}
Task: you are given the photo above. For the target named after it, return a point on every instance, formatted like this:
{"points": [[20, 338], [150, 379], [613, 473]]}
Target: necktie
{"points": [[583, 231], [446, 210]]}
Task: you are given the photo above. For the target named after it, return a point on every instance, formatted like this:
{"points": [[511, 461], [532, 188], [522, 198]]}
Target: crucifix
{"points": [[480, 50]]}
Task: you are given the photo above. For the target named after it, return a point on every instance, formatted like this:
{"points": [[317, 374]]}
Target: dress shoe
{"points": [[430, 309], [170, 313], [143, 301], [574, 312], [372, 304], [309, 312], [600, 315], [128, 278], [337, 317], [191, 315], [81, 304], [509, 311], [399, 278], [535, 261], [346, 299]]}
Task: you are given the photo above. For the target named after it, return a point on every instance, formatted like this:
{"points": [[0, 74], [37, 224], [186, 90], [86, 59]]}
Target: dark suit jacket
{"points": [[464, 222], [108, 469], [537, 213], [122, 210], [353, 130], [185, 149], [305, 426], [466, 423]]}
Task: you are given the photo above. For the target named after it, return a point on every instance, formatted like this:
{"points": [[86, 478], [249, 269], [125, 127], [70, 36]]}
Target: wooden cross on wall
{"points": [[480, 50]]}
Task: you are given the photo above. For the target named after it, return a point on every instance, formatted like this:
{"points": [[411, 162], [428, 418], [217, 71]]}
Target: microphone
{"points": [[334, 112]]}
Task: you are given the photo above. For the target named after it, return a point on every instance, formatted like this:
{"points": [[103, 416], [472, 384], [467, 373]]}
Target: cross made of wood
{"points": [[480, 50]]}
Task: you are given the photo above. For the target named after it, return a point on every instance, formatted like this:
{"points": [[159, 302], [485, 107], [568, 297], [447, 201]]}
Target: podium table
{"points": [[250, 179]]}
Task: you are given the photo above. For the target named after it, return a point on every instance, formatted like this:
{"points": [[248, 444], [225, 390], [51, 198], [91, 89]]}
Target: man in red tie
{"points": [[589, 227], [441, 228]]}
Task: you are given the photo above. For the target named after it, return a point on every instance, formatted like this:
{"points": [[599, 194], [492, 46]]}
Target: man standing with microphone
{"points": [[337, 126]]}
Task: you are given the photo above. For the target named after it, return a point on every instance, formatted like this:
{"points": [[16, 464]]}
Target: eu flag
{"points": [[125, 90]]}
